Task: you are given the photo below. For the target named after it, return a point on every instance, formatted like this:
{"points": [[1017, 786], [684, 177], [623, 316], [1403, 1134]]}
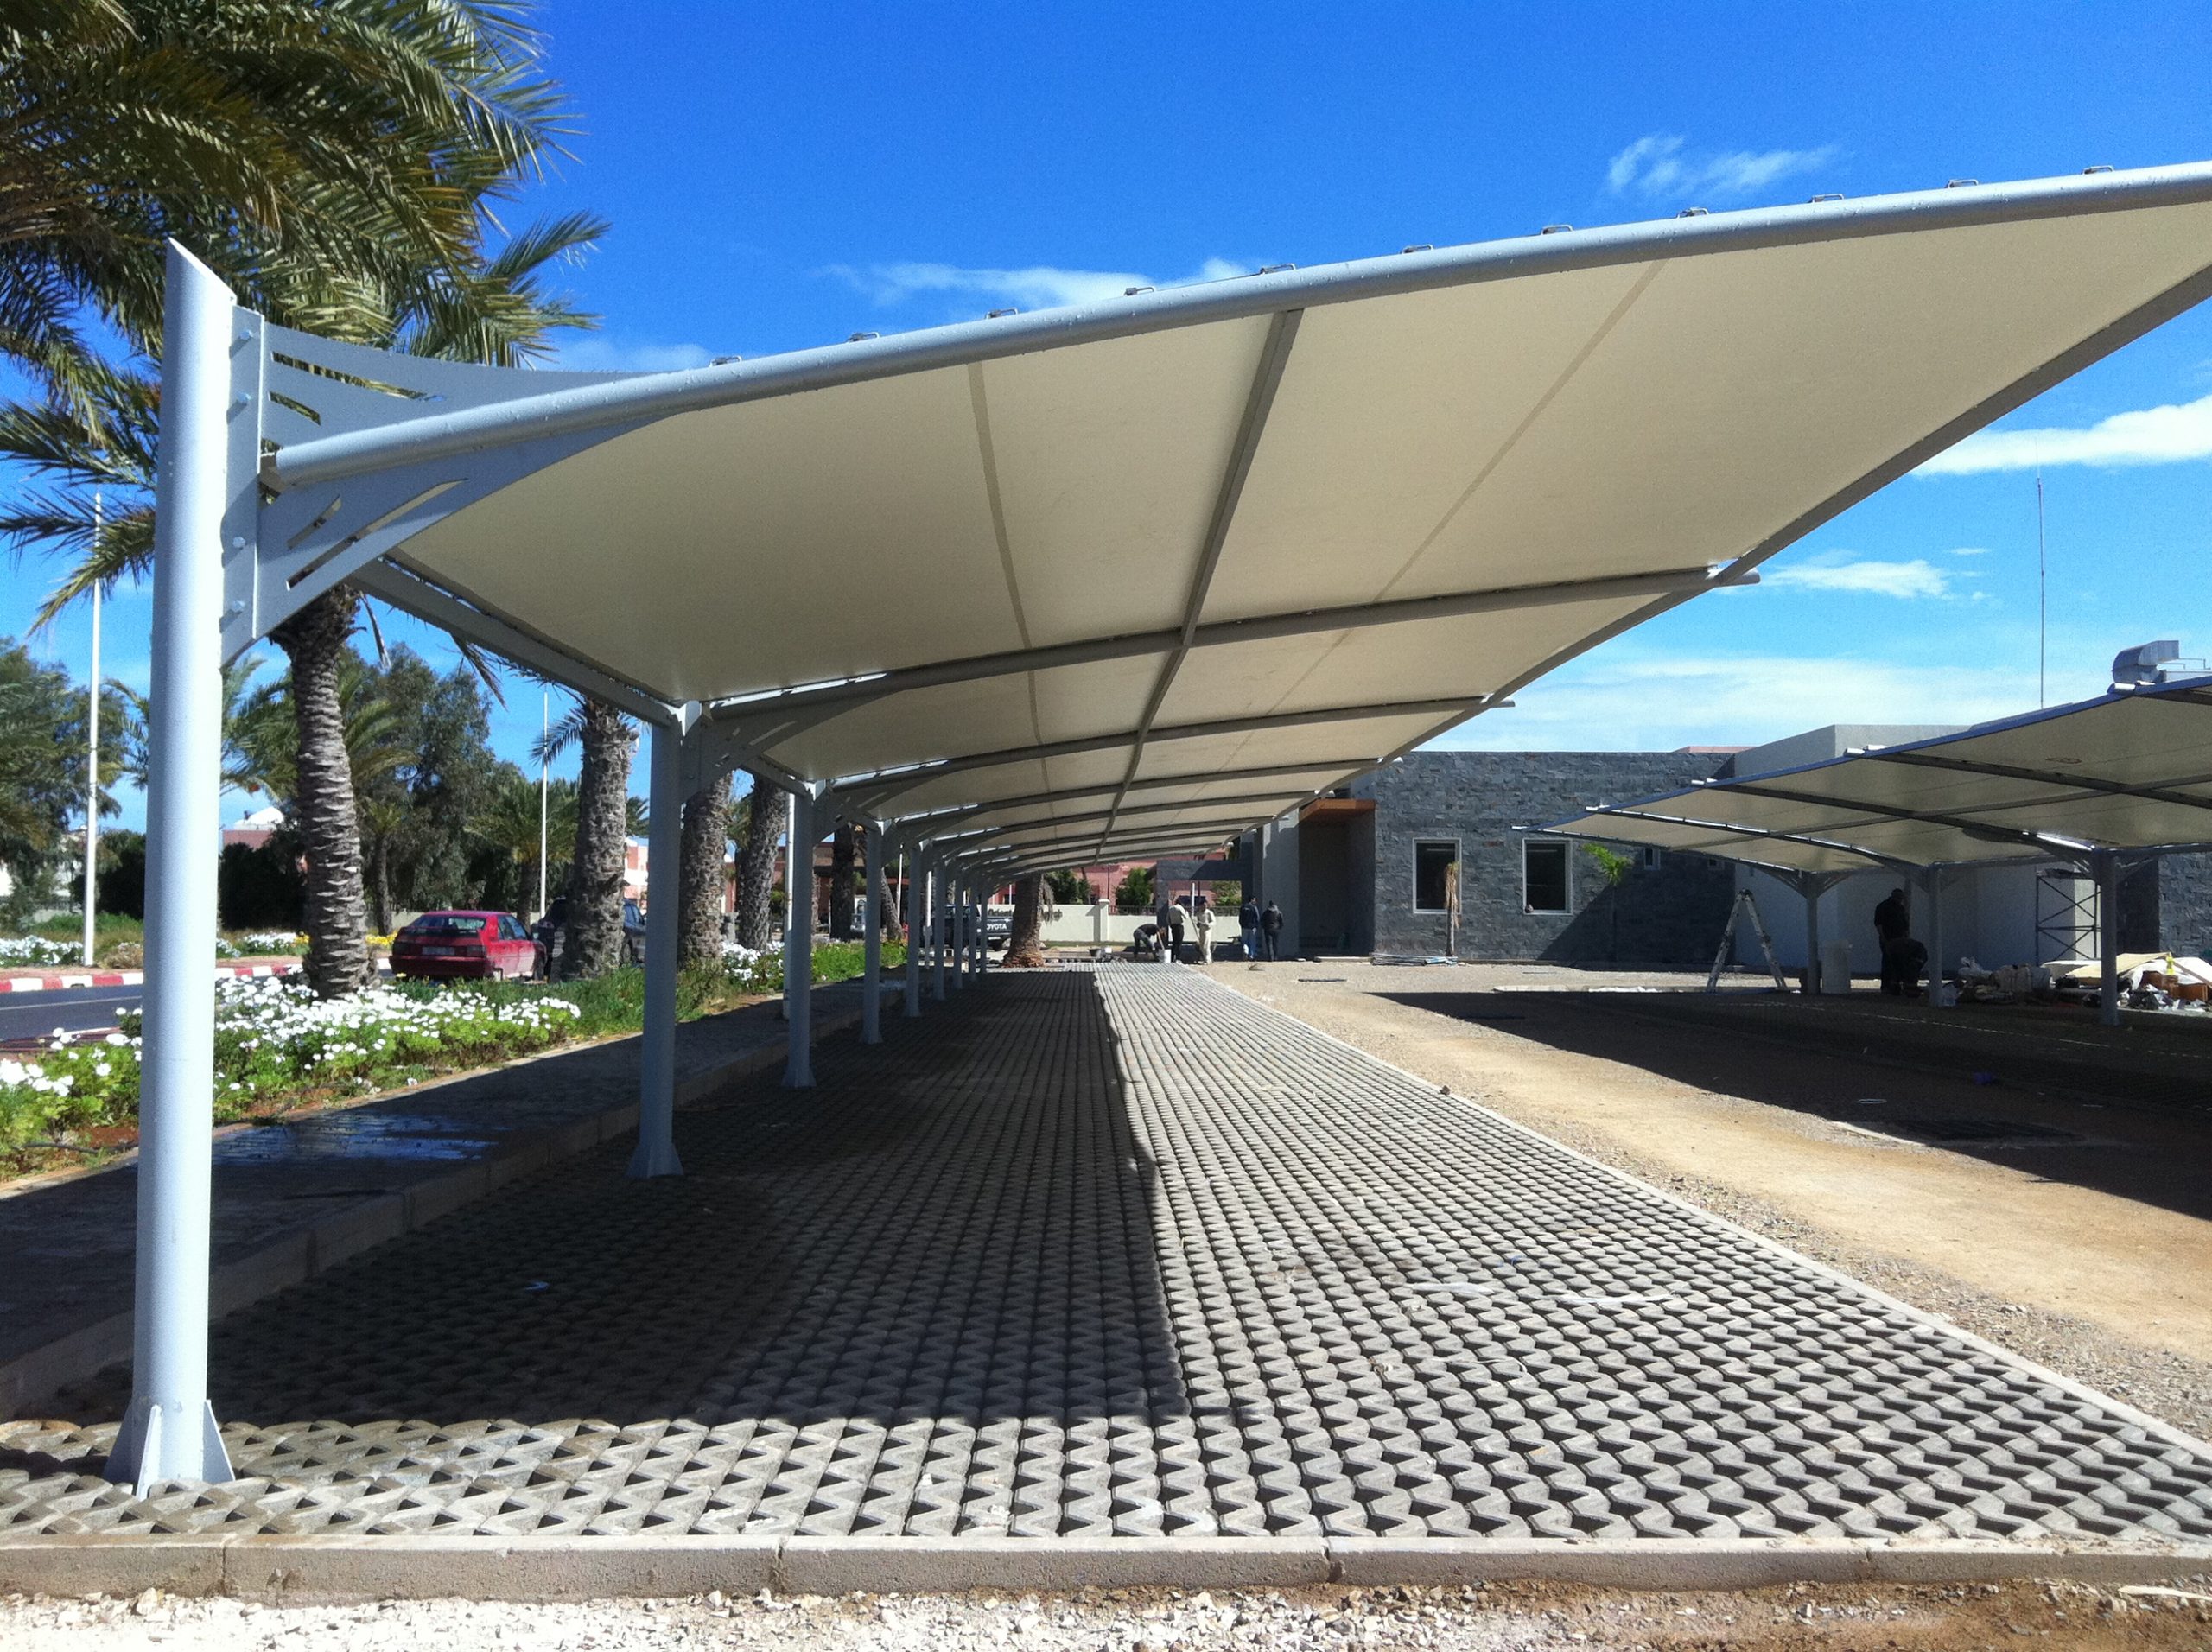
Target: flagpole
{"points": [[92, 752], [545, 729]]}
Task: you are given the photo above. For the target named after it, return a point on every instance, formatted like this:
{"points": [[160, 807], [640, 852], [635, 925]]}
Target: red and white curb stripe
{"points": [[129, 977]]}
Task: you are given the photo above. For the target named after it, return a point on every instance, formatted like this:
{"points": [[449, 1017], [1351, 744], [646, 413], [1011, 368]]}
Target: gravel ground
{"points": [[1499, 1618], [2166, 1384]]}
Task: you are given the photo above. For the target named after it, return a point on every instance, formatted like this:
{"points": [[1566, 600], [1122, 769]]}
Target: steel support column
{"points": [[799, 947], [656, 1150], [917, 929], [1813, 893], [872, 943], [2106, 865], [940, 920], [169, 1432], [1935, 937], [960, 940]]}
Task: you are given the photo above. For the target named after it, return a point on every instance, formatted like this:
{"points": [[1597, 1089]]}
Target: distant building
{"points": [[1374, 868], [253, 830]]}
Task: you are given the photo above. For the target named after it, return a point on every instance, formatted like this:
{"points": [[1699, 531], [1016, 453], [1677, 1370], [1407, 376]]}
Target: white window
{"points": [[1543, 876]]}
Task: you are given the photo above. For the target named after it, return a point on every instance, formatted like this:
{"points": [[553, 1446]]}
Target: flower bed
{"points": [[34, 951], [277, 1046]]}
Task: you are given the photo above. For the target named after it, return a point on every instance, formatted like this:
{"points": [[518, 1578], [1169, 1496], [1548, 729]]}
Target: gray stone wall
{"points": [[1670, 913], [2185, 903]]}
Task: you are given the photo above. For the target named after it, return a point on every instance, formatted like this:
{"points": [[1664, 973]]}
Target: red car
{"points": [[486, 945]]}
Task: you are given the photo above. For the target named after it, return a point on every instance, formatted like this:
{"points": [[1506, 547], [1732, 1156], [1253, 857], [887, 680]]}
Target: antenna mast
{"points": [[2042, 597]]}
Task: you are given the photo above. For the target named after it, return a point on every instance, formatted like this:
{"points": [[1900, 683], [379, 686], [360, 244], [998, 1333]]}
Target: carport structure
{"points": [[2104, 784], [1104, 581]]}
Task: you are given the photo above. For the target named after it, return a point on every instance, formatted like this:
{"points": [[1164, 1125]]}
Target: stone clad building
{"points": [[1371, 869], [1373, 865]]}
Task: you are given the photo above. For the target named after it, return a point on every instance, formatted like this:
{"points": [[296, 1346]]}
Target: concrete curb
{"points": [[339, 1571], [307, 1250]]}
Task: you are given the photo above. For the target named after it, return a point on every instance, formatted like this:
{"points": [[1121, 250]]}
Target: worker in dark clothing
{"points": [[1169, 917], [1893, 928], [1248, 928], [1270, 931]]}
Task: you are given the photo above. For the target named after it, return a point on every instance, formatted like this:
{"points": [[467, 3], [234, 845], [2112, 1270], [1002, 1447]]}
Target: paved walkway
{"points": [[73, 1241], [1115, 1253]]}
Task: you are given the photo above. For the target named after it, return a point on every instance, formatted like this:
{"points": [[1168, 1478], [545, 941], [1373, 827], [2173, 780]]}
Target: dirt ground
{"points": [[1498, 1619], [2088, 1253]]}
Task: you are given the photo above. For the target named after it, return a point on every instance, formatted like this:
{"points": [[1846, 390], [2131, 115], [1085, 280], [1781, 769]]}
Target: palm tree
{"points": [[340, 162], [591, 942], [242, 769], [1025, 943], [706, 852], [756, 864], [508, 824]]}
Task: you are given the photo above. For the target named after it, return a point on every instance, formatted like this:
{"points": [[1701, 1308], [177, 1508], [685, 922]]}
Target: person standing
{"points": [[1893, 929], [1202, 921], [1270, 931], [1169, 917], [1248, 928]]}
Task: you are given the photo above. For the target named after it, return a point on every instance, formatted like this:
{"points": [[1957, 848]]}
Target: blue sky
{"points": [[783, 176]]}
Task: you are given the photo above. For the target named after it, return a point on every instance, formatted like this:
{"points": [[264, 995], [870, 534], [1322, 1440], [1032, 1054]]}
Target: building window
{"points": [[1543, 876], [1432, 864], [1651, 857]]}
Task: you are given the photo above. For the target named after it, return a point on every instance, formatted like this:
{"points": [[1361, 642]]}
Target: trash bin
{"points": [[1835, 967]]}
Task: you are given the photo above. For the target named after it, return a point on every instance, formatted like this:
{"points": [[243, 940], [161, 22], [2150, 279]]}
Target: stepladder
{"points": [[1744, 906]]}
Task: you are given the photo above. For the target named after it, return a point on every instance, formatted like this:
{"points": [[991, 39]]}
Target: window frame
{"points": [[1418, 844], [1528, 907]]}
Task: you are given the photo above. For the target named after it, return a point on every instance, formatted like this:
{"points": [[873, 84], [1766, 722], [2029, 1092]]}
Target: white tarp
{"points": [[2130, 771], [1637, 404]]}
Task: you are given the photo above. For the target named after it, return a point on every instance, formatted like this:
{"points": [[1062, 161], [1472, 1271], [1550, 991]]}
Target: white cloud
{"points": [[599, 353], [2150, 436], [1627, 701], [1037, 287], [1970, 550], [1660, 165], [1916, 578]]}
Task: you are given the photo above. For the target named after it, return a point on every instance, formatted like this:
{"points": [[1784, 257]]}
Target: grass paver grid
{"points": [[1115, 1253]]}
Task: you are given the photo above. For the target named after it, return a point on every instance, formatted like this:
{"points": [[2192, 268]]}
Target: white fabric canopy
{"points": [[2132, 771], [1250, 537]]}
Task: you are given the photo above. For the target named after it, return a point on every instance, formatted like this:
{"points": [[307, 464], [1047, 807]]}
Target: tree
{"points": [[706, 852], [243, 768], [844, 879], [591, 943], [506, 824], [1024, 946], [321, 154], [341, 162], [1134, 893], [756, 864], [1617, 869], [42, 744], [1070, 887]]}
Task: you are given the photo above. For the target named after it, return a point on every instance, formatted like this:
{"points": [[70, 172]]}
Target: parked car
{"points": [[550, 928], [440, 946]]}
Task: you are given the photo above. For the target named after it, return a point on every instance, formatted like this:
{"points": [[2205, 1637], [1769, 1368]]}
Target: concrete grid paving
{"points": [[1114, 1253]]}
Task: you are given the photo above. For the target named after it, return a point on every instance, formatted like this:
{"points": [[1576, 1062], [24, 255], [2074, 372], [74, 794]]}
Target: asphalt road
{"points": [[31, 1016]]}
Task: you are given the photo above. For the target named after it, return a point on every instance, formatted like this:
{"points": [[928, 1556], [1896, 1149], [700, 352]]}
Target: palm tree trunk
{"points": [[706, 842], [844, 881], [384, 887], [1024, 944], [591, 943], [756, 866], [313, 639]]}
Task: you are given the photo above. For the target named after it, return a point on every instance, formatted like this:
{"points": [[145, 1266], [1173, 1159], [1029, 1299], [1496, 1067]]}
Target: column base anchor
{"points": [[158, 1443]]}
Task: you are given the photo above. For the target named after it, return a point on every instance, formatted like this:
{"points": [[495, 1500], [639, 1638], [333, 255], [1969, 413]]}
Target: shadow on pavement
{"points": [[2122, 1113]]}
